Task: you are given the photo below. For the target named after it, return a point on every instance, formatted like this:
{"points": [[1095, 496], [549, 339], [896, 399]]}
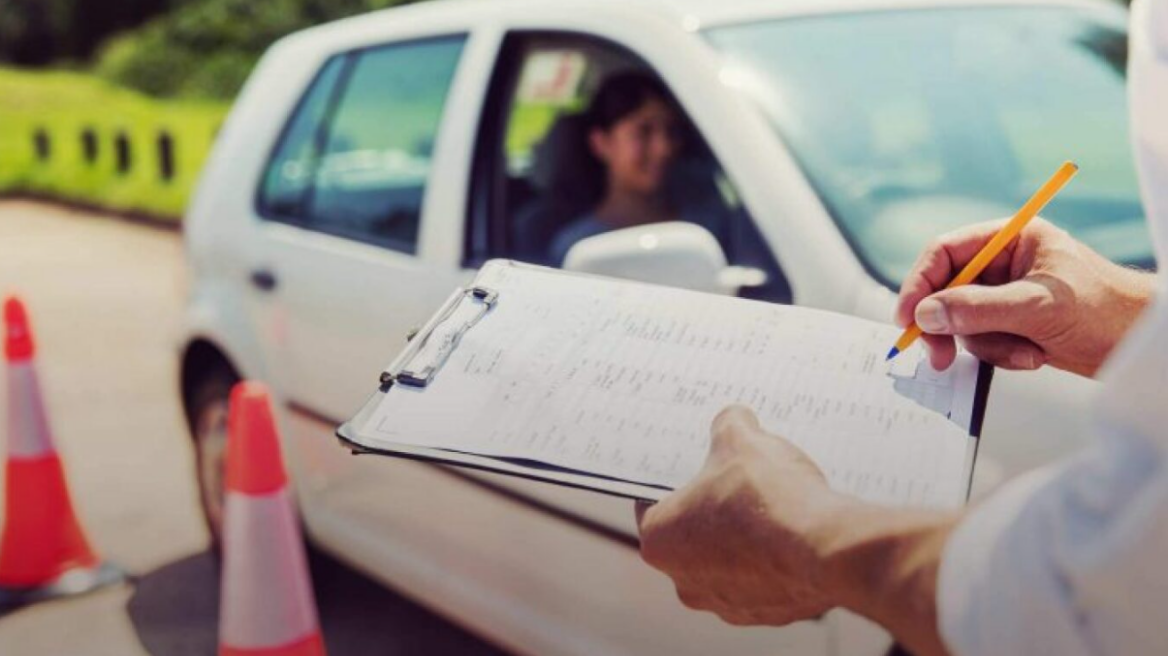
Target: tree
{"points": [[38, 32], [206, 48]]}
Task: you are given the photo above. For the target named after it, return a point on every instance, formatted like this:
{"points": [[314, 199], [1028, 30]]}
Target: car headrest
{"points": [[562, 167]]}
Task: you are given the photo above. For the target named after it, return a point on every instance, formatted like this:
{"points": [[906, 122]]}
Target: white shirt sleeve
{"points": [[1067, 560]]}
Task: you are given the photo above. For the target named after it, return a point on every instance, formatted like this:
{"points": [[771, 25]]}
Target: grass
{"points": [[63, 105]]}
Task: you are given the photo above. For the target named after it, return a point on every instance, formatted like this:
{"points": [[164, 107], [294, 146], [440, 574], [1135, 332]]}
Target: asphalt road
{"points": [[105, 298]]}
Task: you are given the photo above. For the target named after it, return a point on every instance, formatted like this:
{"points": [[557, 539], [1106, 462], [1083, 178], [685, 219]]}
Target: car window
{"points": [[959, 122], [289, 174], [551, 84], [549, 177], [376, 157], [362, 172], [543, 181]]}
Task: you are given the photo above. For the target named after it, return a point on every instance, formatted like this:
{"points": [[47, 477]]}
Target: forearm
{"points": [[882, 563]]}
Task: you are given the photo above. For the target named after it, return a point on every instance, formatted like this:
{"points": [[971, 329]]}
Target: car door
{"points": [[346, 265]]}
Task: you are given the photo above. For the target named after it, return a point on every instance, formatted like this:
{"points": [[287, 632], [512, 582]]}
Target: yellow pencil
{"points": [[997, 244]]}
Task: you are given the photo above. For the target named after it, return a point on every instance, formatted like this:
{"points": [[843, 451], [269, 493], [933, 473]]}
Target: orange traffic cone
{"points": [[266, 607], [43, 551]]}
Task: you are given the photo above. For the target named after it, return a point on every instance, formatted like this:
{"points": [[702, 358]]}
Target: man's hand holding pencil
{"points": [[1044, 299]]}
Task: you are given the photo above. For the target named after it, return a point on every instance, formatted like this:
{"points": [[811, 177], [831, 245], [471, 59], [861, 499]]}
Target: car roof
{"points": [[690, 15], [709, 13], [702, 13]]}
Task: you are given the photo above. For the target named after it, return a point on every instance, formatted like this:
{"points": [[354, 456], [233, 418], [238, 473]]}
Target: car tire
{"points": [[207, 403]]}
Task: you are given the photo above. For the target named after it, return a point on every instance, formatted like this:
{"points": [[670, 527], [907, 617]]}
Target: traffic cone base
{"points": [[41, 538], [267, 597], [72, 583], [312, 645]]}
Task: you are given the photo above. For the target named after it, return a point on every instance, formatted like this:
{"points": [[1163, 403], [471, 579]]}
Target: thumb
{"points": [[1015, 308], [730, 428]]}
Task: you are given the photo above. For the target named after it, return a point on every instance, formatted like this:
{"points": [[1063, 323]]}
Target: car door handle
{"points": [[263, 280]]}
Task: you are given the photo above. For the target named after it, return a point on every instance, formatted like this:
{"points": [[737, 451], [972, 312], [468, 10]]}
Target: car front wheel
{"points": [[208, 413]]}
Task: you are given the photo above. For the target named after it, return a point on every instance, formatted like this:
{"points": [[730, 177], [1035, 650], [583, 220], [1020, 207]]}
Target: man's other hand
{"points": [[740, 540], [758, 537]]}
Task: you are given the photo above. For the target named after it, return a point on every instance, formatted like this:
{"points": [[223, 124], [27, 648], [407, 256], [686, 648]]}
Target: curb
{"points": [[144, 219]]}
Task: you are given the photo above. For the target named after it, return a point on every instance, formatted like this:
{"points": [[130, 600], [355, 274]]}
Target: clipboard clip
{"points": [[437, 341]]}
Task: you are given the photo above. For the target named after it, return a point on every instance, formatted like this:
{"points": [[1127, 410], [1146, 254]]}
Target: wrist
{"points": [[1129, 293], [882, 563], [1134, 290]]}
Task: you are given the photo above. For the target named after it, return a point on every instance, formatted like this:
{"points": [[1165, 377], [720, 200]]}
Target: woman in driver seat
{"points": [[634, 136]]}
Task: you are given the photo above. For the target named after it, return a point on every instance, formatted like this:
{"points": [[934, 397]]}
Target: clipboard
{"points": [[406, 369], [427, 352]]}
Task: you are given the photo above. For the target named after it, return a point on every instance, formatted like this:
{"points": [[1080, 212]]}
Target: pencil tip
{"points": [[892, 353]]}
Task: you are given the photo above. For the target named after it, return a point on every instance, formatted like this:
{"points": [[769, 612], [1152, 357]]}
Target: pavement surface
{"points": [[105, 297]]}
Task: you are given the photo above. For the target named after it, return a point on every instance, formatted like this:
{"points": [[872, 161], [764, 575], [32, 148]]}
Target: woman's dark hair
{"points": [[618, 96], [621, 95]]}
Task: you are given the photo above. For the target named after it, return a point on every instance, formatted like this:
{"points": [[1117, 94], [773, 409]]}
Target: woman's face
{"points": [[639, 148]]}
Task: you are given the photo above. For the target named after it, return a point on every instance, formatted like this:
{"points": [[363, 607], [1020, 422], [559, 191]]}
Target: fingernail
{"points": [[932, 317], [1024, 360]]}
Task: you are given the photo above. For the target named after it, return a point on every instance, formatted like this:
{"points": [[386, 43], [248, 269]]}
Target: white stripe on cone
{"points": [[266, 595], [28, 427]]}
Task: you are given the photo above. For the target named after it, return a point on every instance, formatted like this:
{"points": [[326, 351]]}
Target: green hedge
{"points": [[62, 106], [207, 48]]}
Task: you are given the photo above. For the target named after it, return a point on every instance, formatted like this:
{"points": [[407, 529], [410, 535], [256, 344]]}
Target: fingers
{"points": [[731, 425], [942, 350], [999, 349], [733, 607], [729, 430], [941, 260], [1006, 351], [735, 417], [640, 507], [1019, 308], [656, 526]]}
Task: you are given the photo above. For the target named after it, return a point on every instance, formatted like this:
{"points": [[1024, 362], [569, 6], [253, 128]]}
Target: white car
{"points": [[371, 164]]}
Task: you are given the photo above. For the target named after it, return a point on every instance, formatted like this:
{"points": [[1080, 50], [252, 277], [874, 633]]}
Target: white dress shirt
{"points": [[1073, 559]]}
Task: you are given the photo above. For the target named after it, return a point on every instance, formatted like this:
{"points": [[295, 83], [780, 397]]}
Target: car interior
{"points": [[552, 179], [531, 176]]}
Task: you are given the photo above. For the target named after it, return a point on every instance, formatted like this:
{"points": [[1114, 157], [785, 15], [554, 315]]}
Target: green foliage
{"points": [[66, 104], [38, 32], [207, 48]]}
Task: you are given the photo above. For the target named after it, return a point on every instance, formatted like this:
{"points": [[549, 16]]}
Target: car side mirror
{"points": [[674, 253]]}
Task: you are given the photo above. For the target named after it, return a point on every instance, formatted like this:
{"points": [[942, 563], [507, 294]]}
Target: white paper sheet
{"points": [[623, 380]]}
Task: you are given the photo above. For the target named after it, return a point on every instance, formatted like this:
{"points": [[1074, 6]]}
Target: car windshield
{"points": [[911, 123]]}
